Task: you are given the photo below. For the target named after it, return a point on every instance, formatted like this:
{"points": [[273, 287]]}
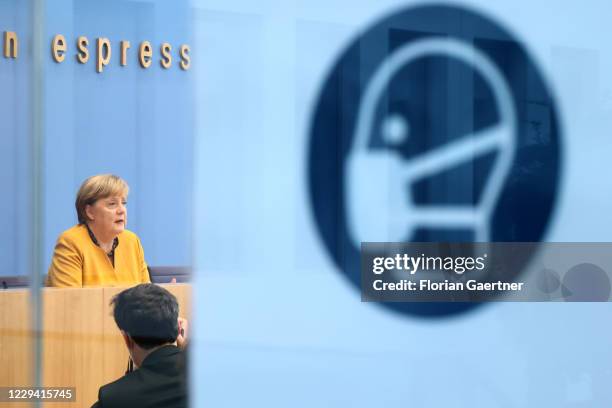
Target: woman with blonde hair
{"points": [[99, 251]]}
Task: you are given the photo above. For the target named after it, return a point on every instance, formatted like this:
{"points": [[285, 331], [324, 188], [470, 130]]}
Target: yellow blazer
{"points": [[78, 262]]}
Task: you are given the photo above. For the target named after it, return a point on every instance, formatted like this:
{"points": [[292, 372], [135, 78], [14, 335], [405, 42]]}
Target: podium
{"points": [[81, 344]]}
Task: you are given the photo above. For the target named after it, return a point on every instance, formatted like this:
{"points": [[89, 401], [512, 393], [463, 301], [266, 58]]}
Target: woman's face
{"points": [[108, 215]]}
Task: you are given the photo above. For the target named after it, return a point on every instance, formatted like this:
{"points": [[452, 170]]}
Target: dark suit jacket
{"points": [[159, 382]]}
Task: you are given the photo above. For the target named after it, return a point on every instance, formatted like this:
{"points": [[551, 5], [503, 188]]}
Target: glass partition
{"points": [[90, 88]]}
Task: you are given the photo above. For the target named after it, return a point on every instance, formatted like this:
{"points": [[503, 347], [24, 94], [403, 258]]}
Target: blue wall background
{"points": [[129, 121], [126, 120], [15, 147]]}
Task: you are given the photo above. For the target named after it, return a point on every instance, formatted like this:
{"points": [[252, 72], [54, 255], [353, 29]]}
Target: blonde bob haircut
{"points": [[95, 188]]}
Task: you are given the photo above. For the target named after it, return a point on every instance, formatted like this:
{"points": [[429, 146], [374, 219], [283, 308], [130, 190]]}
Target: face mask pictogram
{"points": [[377, 192], [435, 124]]}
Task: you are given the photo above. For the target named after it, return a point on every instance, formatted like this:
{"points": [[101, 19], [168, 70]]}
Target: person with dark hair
{"points": [[147, 316]]}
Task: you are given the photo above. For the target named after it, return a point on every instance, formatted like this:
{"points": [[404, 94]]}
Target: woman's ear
{"points": [[89, 213]]}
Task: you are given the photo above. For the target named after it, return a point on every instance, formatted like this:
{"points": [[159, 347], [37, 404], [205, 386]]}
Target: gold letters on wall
{"points": [[104, 54], [83, 54], [11, 44], [185, 58], [124, 47], [166, 60], [144, 54], [58, 48], [103, 51]]}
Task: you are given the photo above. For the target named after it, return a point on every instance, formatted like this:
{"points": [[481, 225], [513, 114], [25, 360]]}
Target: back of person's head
{"points": [[148, 314]]}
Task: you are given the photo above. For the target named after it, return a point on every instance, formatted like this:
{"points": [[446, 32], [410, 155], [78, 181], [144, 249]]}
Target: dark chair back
{"points": [[164, 274], [12, 282]]}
